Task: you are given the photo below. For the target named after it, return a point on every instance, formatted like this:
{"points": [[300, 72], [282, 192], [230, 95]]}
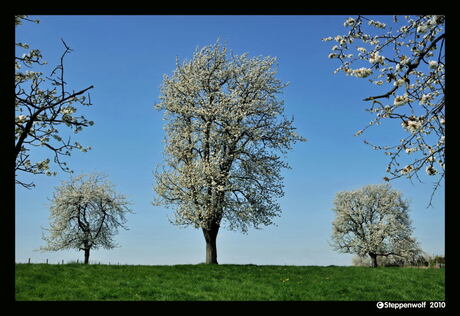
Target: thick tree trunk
{"points": [[86, 256], [210, 235], [374, 259]]}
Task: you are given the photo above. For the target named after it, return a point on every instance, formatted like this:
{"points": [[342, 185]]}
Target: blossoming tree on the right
{"points": [[406, 58], [374, 221]]}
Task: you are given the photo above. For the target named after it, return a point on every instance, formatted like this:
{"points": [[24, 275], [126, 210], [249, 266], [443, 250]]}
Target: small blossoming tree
{"points": [[224, 133], [42, 105], [86, 213], [373, 221], [404, 58]]}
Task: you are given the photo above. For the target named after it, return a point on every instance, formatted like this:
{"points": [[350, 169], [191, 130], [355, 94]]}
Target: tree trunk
{"points": [[87, 256], [374, 259], [210, 235]]}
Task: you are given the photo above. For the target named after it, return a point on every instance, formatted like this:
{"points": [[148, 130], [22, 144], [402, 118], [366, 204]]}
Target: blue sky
{"points": [[125, 58]]}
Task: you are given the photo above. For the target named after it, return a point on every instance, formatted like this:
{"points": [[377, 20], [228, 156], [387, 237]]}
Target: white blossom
{"points": [[341, 40], [407, 169], [21, 118], [377, 24], [399, 82], [376, 58], [362, 72], [413, 124], [349, 22], [404, 60], [425, 98], [422, 28], [68, 110], [433, 64], [401, 99]]}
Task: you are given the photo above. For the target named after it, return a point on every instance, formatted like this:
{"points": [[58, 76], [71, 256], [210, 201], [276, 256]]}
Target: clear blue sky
{"points": [[125, 57]]}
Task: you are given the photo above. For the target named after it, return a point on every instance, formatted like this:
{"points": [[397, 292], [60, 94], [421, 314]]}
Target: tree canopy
{"points": [[373, 221], [85, 214], [225, 130]]}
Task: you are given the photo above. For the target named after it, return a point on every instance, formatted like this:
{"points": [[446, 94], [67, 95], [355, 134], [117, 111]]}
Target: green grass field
{"points": [[226, 282]]}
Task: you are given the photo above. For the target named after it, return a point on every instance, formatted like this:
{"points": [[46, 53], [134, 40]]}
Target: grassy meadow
{"points": [[226, 282]]}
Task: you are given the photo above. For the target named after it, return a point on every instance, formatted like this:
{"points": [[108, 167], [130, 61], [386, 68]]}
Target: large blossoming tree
{"points": [[373, 221], [86, 213], [43, 104], [405, 59], [224, 134]]}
